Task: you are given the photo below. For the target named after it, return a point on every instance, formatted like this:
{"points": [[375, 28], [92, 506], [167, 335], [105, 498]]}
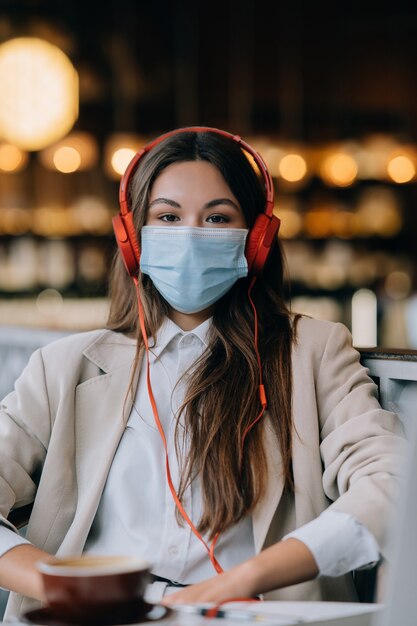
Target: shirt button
{"points": [[173, 550], [342, 564]]}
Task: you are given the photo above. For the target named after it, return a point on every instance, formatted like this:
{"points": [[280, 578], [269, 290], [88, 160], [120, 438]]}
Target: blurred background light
{"points": [[379, 212], [401, 169], [12, 158], [14, 221], [56, 266], [77, 151], [90, 214], [372, 155], [39, 93], [293, 167], [52, 221], [291, 219], [398, 285], [119, 151], [67, 159], [272, 156], [318, 222], [49, 302], [344, 224], [121, 158], [339, 169]]}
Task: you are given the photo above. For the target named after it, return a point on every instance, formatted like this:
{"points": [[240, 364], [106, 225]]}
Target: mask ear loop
{"points": [[261, 388], [210, 549]]}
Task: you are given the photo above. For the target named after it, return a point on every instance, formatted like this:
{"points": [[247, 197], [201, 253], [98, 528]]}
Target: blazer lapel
{"points": [[264, 511], [102, 408]]}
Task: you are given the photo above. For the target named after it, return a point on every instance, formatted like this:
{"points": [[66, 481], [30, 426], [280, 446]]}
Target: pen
{"points": [[235, 614]]}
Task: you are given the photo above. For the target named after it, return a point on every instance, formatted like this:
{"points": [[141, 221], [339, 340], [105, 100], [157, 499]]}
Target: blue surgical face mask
{"points": [[193, 267]]}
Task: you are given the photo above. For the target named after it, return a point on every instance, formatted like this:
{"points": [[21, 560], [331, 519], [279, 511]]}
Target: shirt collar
{"points": [[169, 330]]}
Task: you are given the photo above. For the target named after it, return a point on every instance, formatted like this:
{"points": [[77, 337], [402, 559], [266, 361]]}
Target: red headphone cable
{"points": [[262, 397], [210, 549], [261, 388]]}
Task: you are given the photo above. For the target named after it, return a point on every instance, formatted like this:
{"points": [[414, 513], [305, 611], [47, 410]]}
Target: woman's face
{"points": [[193, 193]]}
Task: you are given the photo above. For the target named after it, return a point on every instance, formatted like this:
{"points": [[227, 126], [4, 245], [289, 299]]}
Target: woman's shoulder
{"points": [[316, 334], [324, 347]]}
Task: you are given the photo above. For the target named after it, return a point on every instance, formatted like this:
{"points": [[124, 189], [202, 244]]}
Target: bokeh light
{"points": [[39, 93], [398, 285], [121, 159], [318, 223], [272, 156], [67, 159], [15, 220], [339, 169], [77, 151], [293, 167], [291, 222], [401, 169], [49, 302], [119, 150], [12, 158], [378, 213]]}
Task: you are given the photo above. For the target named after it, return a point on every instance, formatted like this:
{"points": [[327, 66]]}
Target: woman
{"points": [[279, 463]]}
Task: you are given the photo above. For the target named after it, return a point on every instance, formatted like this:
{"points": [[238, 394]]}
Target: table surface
{"points": [[288, 613], [275, 614]]}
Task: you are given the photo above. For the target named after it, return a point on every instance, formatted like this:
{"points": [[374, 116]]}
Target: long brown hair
{"points": [[222, 396]]}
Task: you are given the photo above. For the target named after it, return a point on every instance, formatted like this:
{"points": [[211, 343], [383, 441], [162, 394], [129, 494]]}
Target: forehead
{"points": [[197, 177]]}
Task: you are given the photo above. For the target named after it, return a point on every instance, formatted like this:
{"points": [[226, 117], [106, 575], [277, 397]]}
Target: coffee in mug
{"points": [[92, 589]]}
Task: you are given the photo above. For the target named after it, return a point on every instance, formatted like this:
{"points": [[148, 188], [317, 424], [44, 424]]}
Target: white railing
{"points": [[395, 372]]}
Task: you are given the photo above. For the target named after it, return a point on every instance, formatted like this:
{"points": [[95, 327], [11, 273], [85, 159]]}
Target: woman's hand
{"points": [[18, 571], [232, 584], [286, 563]]}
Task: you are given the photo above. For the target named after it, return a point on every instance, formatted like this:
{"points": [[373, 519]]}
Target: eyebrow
{"points": [[208, 205]]}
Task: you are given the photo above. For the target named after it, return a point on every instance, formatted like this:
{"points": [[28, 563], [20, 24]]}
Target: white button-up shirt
{"points": [[137, 514]]}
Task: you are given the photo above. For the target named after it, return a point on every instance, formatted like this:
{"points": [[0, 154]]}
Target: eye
{"points": [[169, 217], [218, 219]]}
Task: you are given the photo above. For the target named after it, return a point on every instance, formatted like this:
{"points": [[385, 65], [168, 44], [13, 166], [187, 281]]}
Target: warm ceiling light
{"points": [[12, 159], [293, 167], [401, 169], [339, 169], [67, 159], [121, 159], [39, 93]]}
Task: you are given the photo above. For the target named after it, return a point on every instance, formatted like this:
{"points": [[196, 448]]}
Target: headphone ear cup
{"points": [[260, 241], [127, 241]]}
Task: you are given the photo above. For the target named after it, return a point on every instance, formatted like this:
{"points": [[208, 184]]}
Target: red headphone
{"points": [[261, 236]]}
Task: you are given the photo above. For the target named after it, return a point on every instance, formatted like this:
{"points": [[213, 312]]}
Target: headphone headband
{"points": [[261, 236]]}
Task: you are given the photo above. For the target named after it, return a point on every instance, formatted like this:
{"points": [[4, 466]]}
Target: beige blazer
{"points": [[61, 426]]}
